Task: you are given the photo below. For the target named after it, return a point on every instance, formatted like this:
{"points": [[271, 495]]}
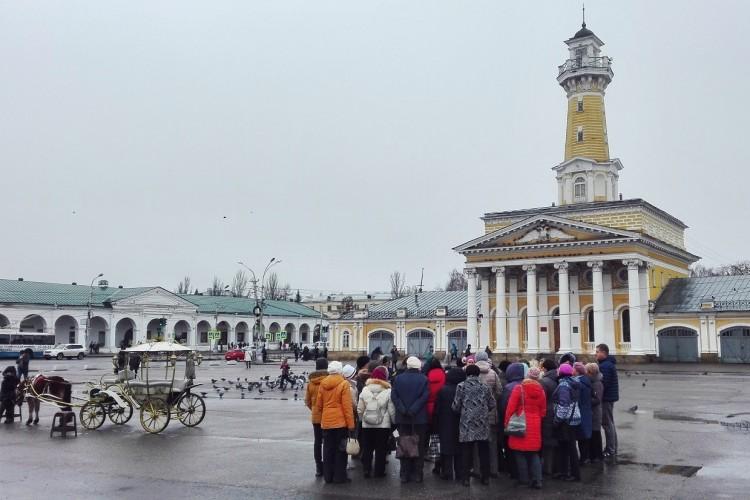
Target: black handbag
{"points": [[407, 446]]}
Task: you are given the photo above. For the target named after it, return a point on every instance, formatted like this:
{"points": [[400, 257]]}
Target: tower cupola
{"points": [[587, 173]]}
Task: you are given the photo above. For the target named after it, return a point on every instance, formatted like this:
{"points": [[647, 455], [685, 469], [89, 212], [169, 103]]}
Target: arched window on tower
{"points": [[579, 134], [579, 189]]}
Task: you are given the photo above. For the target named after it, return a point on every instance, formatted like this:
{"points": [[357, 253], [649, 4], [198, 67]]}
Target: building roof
{"points": [[563, 210], [36, 292], [685, 295], [59, 294], [421, 305], [242, 305]]}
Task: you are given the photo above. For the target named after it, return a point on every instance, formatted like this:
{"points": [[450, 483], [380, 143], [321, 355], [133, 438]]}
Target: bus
{"points": [[12, 342]]}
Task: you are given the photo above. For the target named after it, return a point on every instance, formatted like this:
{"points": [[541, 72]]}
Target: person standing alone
{"points": [[608, 369]]}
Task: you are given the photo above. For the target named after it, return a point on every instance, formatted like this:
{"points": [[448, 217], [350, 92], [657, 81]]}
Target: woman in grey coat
{"points": [[474, 402], [597, 390]]}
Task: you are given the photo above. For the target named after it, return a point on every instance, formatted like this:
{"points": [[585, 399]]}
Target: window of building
{"points": [[579, 188], [579, 56], [345, 340], [580, 103], [625, 322], [579, 134], [590, 321]]}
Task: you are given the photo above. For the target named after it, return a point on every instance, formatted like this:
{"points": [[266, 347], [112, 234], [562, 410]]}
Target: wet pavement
{"points": [[685, 440]]}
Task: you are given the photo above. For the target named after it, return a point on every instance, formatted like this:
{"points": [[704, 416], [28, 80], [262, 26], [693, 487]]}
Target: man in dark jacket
{"points": [[514, 375], [409, 394], [608, 369]]}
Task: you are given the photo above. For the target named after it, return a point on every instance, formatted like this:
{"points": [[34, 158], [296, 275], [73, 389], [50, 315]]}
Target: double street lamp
{"points": [[259, 303]]}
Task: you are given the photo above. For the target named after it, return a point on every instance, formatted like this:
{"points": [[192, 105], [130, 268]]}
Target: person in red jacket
{"points": [[435, 381], [528, 398]]}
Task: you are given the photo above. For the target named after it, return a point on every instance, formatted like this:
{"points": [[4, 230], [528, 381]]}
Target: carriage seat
{"points": [[157, 387], [121, 376]]}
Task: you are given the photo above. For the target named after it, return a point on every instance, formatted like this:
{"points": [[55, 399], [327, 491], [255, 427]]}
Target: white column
{"points": [[635, 306], [484, 326], [566, 342], [598, 293], [532, 314], [472, 334], [543, 308], [514, 344], [501, 338], [609, 315], [648, 334], [575, 315]]}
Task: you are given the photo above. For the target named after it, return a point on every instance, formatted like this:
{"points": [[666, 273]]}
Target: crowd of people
{"points": [[470, 418]]}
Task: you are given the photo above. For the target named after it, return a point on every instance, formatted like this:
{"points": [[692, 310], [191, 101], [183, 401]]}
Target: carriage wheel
{"points": [[191, 409], [120, 415], [154, 415], [92, 415]]}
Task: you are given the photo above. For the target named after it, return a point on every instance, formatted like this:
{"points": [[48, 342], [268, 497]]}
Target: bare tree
{"points": [[184, 286], [347, 304], [456, 281], [736, 269], [239, 284], [398, 285], [217, 287], [273, 289]]}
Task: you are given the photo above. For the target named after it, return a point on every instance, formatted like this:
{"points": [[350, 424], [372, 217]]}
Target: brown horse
{"points": [[54, 390]]}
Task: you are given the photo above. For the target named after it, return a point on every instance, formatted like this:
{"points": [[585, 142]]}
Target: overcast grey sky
{"points": [[347, 138]]}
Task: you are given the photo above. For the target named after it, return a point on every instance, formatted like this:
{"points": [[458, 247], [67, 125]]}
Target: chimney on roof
{"points": [[119, 286], [74, 283], [103, 284], [20, 279]]}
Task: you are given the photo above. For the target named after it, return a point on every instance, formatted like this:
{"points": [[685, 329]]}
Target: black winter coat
{"points": [[8, 387], [445, 420], [409, 393], [549, 383]]}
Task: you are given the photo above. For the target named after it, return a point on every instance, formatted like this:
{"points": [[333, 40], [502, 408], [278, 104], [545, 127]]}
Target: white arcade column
{"points": [[501, 332], [472, 334], [532, 314], [484, 326], [597, 286], [566, 341]]}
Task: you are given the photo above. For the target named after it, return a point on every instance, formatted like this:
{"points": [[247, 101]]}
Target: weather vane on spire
{"points": [[583, 9]]}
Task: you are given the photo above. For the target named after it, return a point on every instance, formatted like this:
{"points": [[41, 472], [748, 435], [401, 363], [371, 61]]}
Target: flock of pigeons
{"points": [[223, 385]]}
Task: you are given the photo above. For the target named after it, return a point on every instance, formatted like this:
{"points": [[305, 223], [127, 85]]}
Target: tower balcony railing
{"points": [[603, 62]]}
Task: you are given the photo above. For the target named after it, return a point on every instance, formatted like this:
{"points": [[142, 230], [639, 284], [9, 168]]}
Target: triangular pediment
{"points": [[544, 230], [156, 296]]}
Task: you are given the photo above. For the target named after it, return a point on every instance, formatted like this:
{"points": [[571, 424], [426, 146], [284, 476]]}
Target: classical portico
{"points": [[522, 326]]}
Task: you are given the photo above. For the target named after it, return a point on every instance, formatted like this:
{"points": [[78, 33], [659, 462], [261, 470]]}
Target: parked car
{"points": [[235, 355], [61, 351]]}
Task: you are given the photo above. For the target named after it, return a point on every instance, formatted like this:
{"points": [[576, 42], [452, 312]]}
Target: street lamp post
{"points": [[260, 304], [88, 313]]}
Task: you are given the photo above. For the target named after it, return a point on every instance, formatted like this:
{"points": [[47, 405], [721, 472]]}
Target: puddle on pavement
{"points": [[671, 469], [681, 417]]}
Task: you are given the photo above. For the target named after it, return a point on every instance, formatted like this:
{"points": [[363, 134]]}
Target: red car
{"points": [[235, 355]]}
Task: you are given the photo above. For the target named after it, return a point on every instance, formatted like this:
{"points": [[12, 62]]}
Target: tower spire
{"points": [[583, 9]]}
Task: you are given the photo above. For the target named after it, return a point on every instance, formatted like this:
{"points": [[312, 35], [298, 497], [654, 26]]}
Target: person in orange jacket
{"points": [[311, 396], [334, 403]]}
